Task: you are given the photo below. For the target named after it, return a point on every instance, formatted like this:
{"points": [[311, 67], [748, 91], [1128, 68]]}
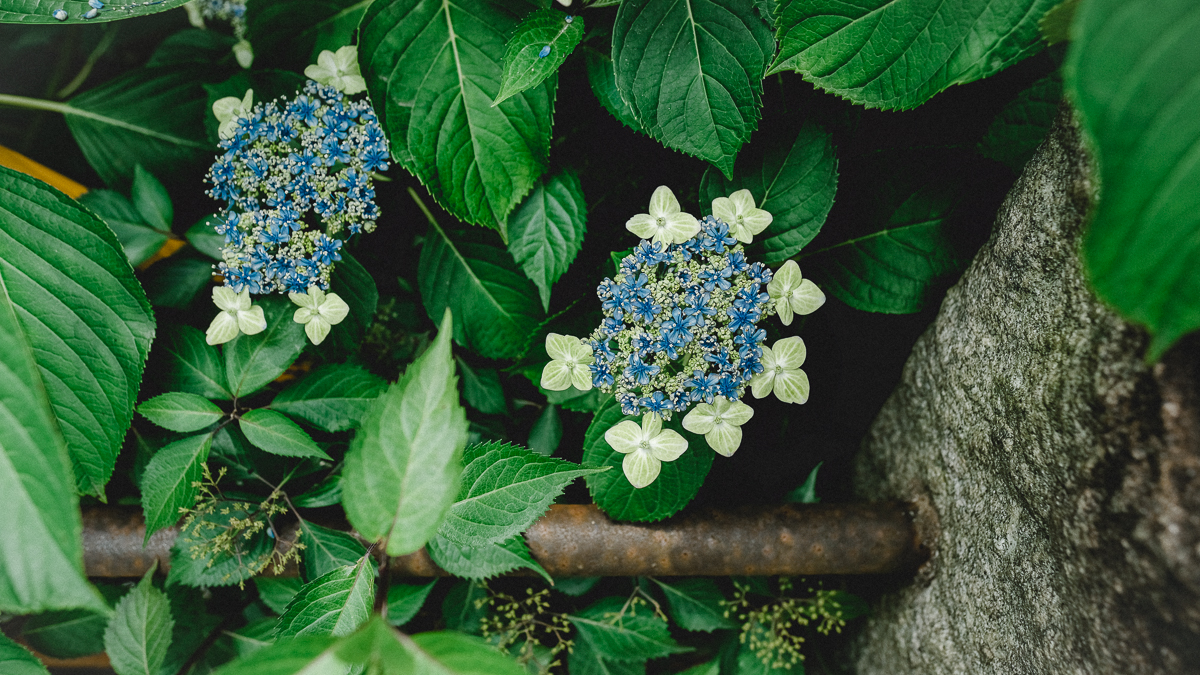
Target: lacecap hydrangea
{"points": [[296, 181], [681, 332]]}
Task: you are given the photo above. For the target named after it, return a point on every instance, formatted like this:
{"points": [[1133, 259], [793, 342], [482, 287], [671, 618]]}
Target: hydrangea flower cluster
{"points": [[681, 332], [296, 180]]}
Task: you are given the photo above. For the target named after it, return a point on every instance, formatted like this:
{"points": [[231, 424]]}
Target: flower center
{"points": [[661, 222], [644, 445], [778, 369], [739, 221]]}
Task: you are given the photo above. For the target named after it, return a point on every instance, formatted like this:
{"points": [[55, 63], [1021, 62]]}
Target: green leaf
{"points": [[354, 284], [461, 609], [139, 241], [692, 72], [336, 603], [482, 389], [254, 636], [807, 492], [604, 85], [16, 660], [495, 306], [462, 654], [192, 365], [333, 397], [275, 433], [630, 636], [1131, 73], [894, 269], [1021, 126], [710, 668], [151, 200], [292, 34], [308, 655], [405, 600], [277, 592], [168, 482], [139, 632], [193, 626], [884, 54], [121, 124], [547, 432], [194, 46], [71, 633], [203, 236], [696, 604], [326, 493], [483, 561], [181, 412], [1055, 24], [671, 491], [433, 70], [402, 469], [795, 183], [505, 488], [546, 232], [176, 281], [575, 586], [584, 660], [539, 45], [42, 11], [192, 564], [251, 361], [83, 313], [326, 550]]}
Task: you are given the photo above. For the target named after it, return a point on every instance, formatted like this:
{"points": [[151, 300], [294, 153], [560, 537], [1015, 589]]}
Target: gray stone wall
{"points": [[1055, 472]]}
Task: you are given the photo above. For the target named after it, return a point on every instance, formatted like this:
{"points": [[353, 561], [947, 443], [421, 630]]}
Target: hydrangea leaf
{"points": [[139, 240], [42, 11], [402, 469], [884, 54], [277, 592], [310, 655], [539, 45], [496, 308], [547, 432], [292, 34], [692, 72], [1131, 72], [482, 389], [335, 603], [139, 632], [624, 636], [275, 433], [433, 70], [795, 183], [16, 660], [84, 315], [806, 493], [546, 232], [1023, 123], [465, 654], [603, 79], [326, 550], [504, 489], [168, 482], [584, 660], [676, 485], [179, 411], [191, 364], [71, 633], [334, 397], [405, 600], [204, 238], [486, 561], [355, 285], [696, 604], [151, 200], [251, 361]]}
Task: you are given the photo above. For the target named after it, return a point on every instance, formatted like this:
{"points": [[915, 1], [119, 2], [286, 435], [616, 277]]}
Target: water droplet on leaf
{"points": [[545, 52]]}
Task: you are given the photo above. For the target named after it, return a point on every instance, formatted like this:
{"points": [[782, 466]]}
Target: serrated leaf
{"points": [[16, 660], [696, 604], [584, 660], [276, 434], [72, 633], [539, 45], [671, 491], [192, 564], [795, 183], [326, 550], [482, 389], [893, 269], [277, 592], [806, 493], [433, 70], [627, 636], [120, 124], [403, 467], [151, 200], [83, 313], [483, 561], [192, 365], [331, 398], [335, 604], [292, 34], [691, 71], [251, 361], [547, 432], [203, 236], [193, 626], [139, 632], [42, 11], [168, 482], [405, 600], [603, 79], [1131, 73], [1023, 123], [505, 488], [355, 285], [137, 239], [884, 54], [546, 232], [495, 306], [180, 412]]}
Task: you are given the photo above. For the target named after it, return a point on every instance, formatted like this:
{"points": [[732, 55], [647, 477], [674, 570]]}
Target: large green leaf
{"points": [[539, 45], [291, 34], [483, 561], [42, 11], [16, 660], [671, 491], [405, 600], [496, 308], [326, 550], [277, 592], [889, 54], [192, 365], [168, 482], [692, 70], [331, 398], [251, 361], [139, 240], [696, 604], [41, 547], [1132, 71], [308, 655], [180, 412], [334, 604], [433, 70], [465, 654], [121, 123], [794, 183], [83, 313], [139, 632], [403, 467], [1021, 126], [482, 389], [70, 633], [622, 633], [275, 433], [893, 269], [603, 79], [505, 488], [546, 232]]}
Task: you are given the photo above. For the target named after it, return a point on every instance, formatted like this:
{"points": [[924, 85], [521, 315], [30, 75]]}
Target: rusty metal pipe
{"points": [[580, 541]]}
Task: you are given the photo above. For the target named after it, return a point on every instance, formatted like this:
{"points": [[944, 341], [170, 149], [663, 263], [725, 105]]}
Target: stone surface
{"points": [[1055, 472]]}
